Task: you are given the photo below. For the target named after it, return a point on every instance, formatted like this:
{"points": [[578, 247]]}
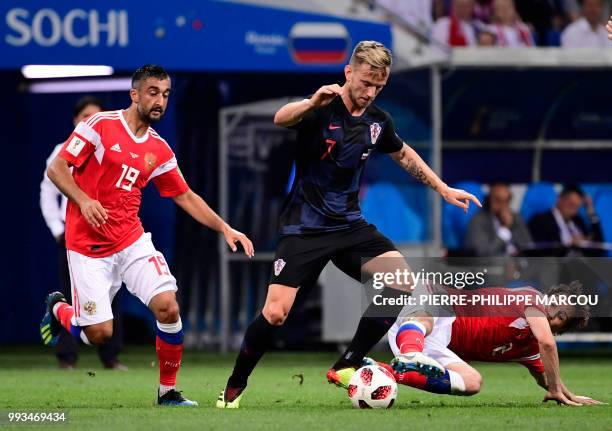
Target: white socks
{"points": [[457, 383], [84, 339], [164, 389], [170, 328]]}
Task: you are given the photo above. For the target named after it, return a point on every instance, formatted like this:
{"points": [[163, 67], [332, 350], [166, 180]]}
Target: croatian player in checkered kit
{"points": [[337, 129], [115, 154]]}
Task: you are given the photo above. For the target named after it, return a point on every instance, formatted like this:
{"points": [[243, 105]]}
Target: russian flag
{"points": [[319, 43]]}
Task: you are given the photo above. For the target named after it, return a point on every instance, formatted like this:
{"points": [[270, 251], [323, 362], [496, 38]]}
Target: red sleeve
{"points": [[533, 359], [170, 183], [534, 365], [81, 144], [535, 300]]}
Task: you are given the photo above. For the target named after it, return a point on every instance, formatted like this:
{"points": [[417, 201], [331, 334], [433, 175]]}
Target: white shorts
{"points": [[436, 343], [96, 281]]}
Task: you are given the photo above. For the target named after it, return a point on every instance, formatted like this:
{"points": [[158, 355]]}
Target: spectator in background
{"points": [[415, 12], [53, 207], [545, 16], [483, 11], [507, 26], [486, 37], [497, 230], [439, 9], [573, 12], [562, 224], [588, 30], [459, 29]]}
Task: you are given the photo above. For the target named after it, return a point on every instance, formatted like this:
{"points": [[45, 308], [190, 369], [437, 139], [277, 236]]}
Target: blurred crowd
{"points": [[505, 23], [570, 225]]}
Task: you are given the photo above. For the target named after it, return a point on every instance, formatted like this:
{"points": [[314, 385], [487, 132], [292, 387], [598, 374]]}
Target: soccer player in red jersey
{"points": [[115, 155], [522, 332]]}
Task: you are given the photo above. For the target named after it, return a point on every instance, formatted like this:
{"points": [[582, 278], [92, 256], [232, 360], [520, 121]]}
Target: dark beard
{"points": [[354, 101], [146, 117]]}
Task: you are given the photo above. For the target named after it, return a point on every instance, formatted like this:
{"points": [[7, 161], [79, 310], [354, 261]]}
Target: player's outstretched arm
{"points": [[195, 206], [540, 328], [609, 28], [59, 173], [540, 379], [292, 113], [556, 390], [409, 159]]}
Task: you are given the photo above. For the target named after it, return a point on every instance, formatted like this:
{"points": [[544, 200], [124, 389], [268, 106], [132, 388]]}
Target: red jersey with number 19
{"points": [[112, 165]]}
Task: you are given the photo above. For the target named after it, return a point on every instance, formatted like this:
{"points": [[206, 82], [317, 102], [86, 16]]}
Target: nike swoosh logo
{"points": [[332, 127]]}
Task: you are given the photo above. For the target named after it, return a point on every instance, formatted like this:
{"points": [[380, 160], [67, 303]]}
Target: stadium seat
{"points": [[598, 189], [538, 198], [593, 190], [384, 206], [291, 179], [454, 220], [603, 207]]}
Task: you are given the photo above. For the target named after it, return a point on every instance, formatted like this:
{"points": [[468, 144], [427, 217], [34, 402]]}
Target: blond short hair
{"points": [[373, 53]]}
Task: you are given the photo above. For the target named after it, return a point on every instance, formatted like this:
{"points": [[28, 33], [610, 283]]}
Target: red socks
{"points": [[411, 378], [64, 313], [169, 346], [411, 337], [169, 357]]}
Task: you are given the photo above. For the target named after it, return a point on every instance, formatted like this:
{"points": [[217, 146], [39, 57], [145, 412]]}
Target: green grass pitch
{"points": [[113, 400]]}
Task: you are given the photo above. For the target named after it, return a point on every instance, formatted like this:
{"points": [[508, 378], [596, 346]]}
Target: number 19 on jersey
{"points": [[128, 177]]}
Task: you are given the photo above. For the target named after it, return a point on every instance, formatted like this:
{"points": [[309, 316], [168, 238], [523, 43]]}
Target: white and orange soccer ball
{"points": [[373, 387]]}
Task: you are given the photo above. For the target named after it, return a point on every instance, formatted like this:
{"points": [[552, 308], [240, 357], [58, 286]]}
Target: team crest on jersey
{"points": [[75, 146], [134, 155], [90, 307], [278, 266], [375, 132], [150, 160]]}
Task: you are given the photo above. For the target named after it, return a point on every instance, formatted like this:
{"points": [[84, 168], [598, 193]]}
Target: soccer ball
{"points": [[372, 387]]}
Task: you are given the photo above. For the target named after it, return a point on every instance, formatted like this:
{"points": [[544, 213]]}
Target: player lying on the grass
{"points": [[495, 334], [115, 155], [337, 129]]}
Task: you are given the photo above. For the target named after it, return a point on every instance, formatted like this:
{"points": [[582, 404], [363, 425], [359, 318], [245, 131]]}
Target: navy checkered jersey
{"points": [[332, 148]]}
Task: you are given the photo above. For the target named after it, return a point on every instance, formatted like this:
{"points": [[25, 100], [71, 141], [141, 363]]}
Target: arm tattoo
{"points": [[412, 166], [416, 171]]}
